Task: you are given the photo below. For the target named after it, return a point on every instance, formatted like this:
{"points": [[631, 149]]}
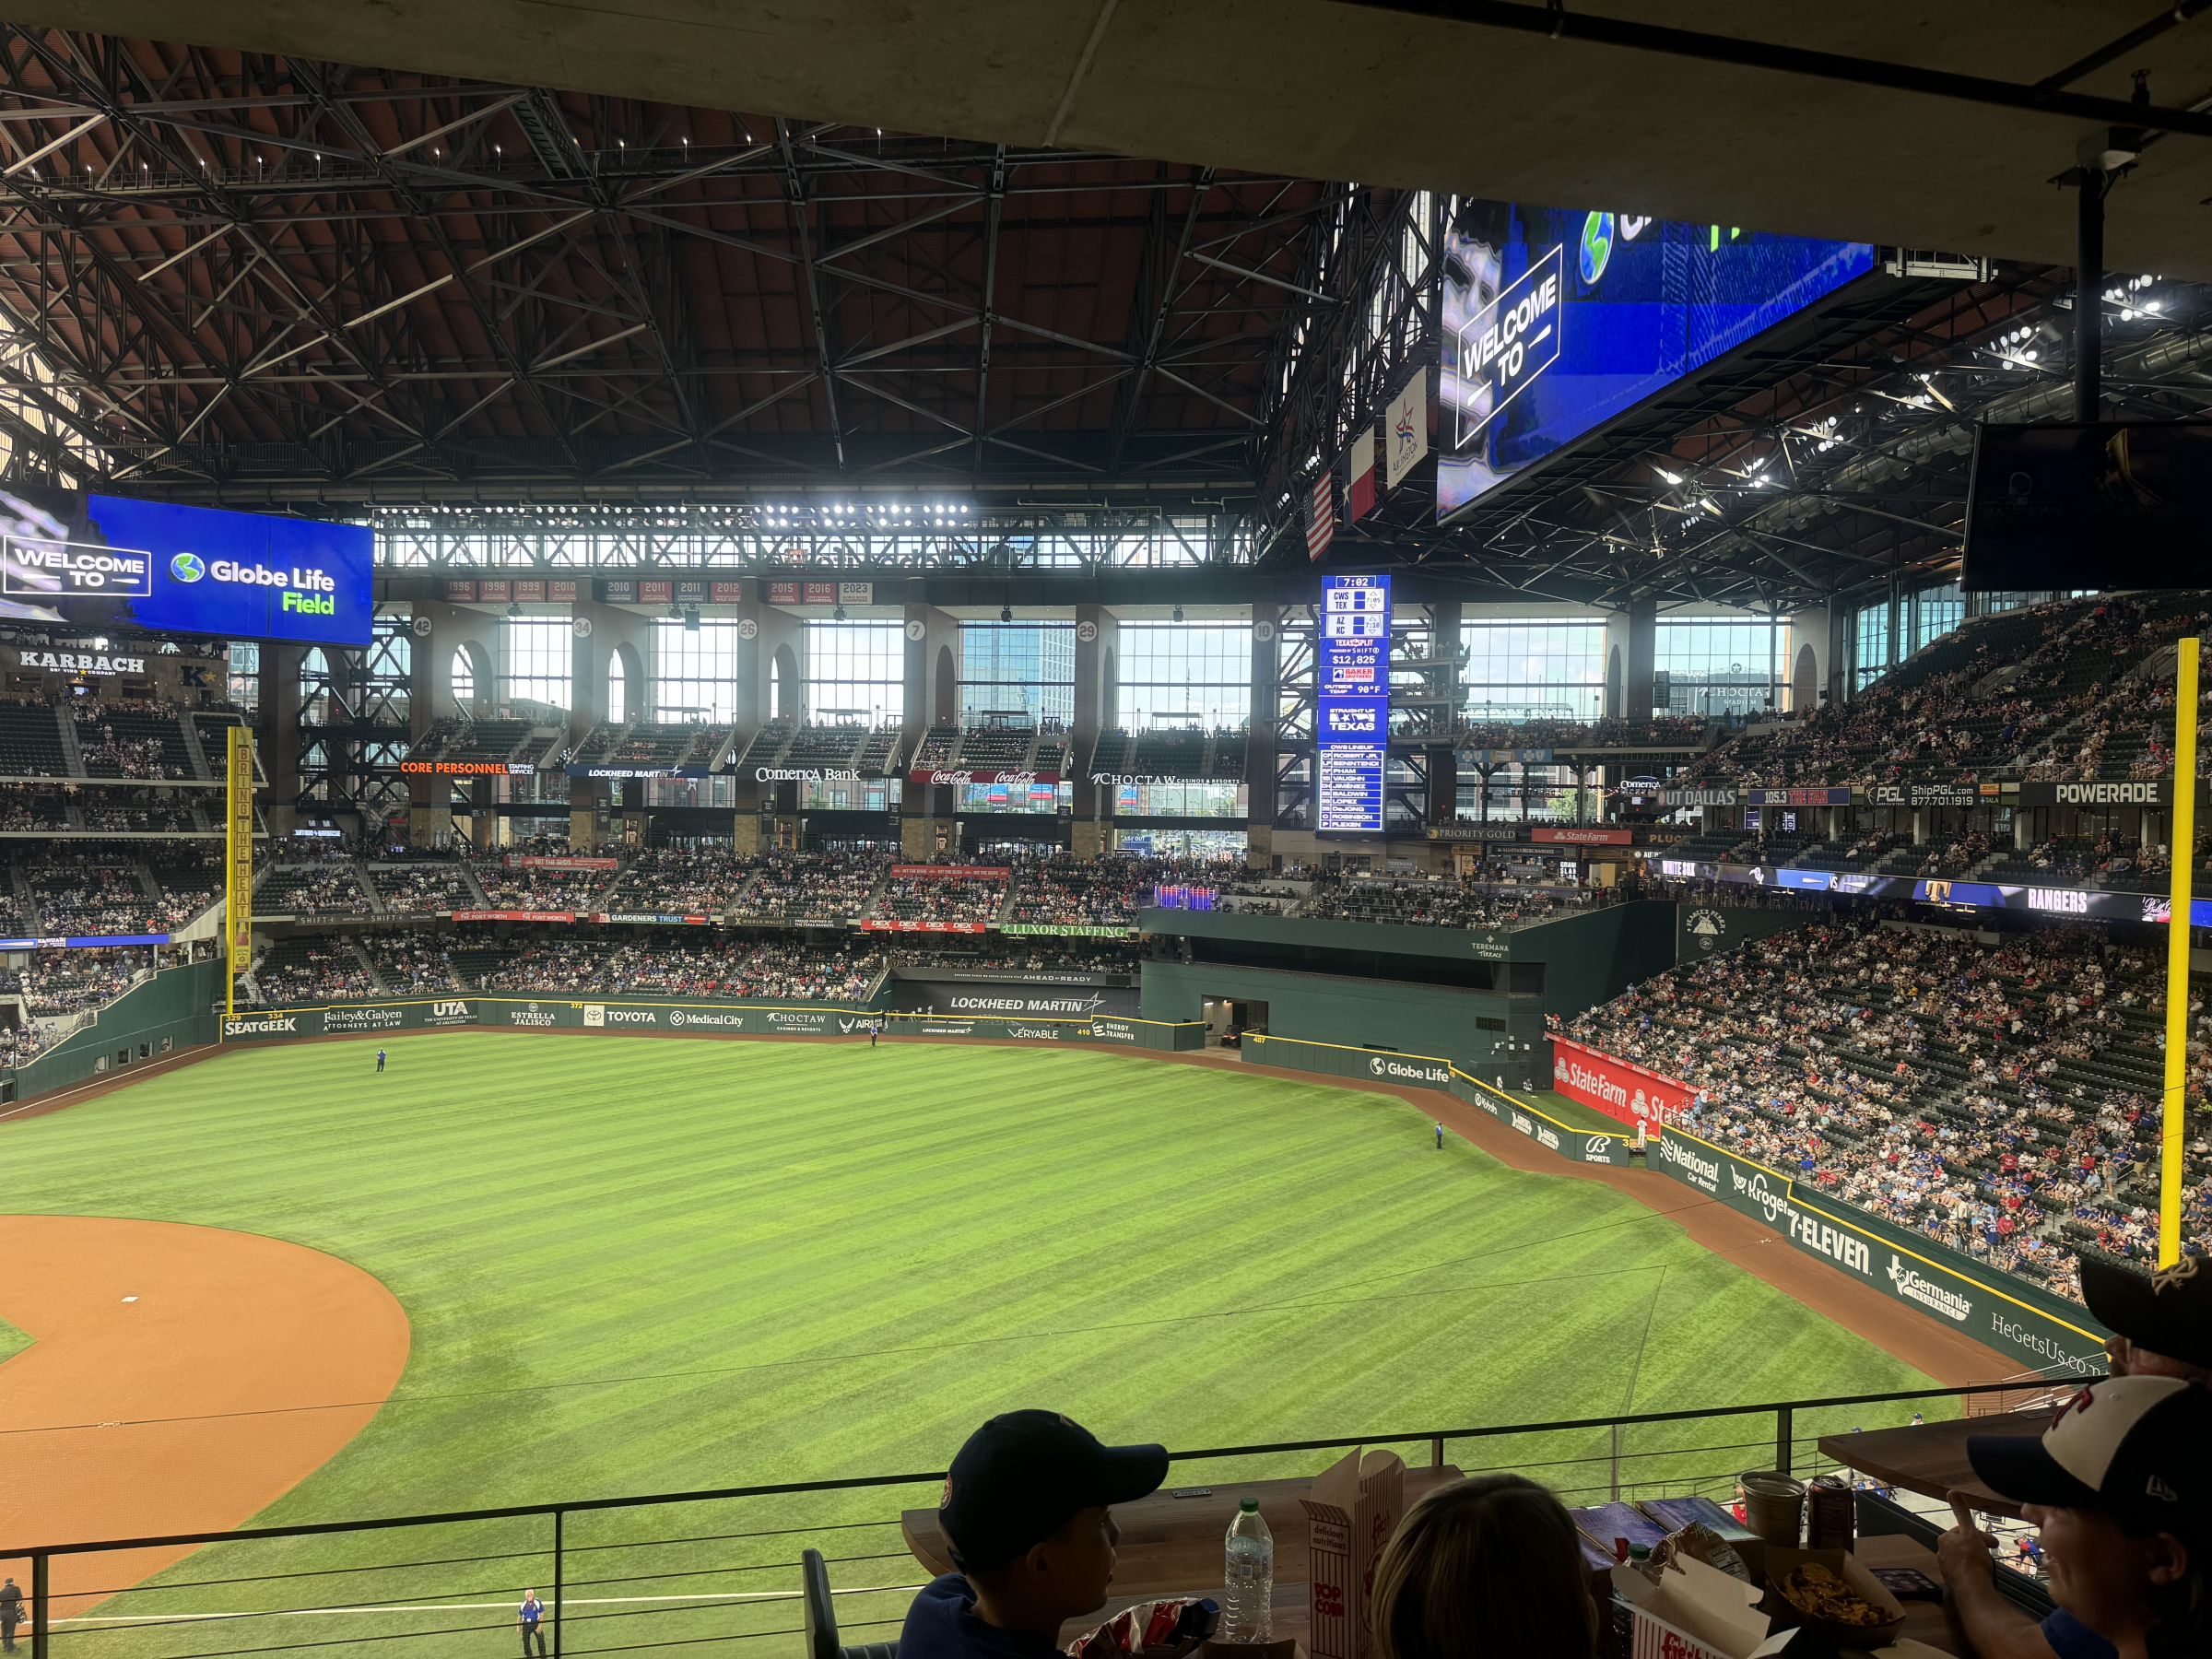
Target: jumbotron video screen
{"points": [[1556, 320]]}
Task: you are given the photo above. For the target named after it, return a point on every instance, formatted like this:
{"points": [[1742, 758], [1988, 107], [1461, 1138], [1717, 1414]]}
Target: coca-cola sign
{"points": [[956, 778]]}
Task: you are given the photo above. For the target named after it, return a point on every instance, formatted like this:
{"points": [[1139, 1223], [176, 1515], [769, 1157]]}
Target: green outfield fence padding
{"points": [[698, 1017], [1429, 1071], [1997, 1308], [170, 1012]]}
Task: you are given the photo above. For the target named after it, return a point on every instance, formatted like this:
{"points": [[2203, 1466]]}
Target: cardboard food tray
{"points": [[1698, 1611], [1776, 1563]]}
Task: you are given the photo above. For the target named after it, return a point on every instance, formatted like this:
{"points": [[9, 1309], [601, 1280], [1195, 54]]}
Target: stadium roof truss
{"points": [[516, 328]]}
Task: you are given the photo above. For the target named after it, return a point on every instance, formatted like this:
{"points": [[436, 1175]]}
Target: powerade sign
{"points": [[1556, 321], [2008, 1314], [111, 562], [1352, 715]]}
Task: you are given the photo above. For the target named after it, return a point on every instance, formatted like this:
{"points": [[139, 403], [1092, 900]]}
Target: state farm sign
{"points": [[1613, 1086]]}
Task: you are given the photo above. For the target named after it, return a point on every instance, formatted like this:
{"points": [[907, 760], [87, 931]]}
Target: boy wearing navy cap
{"points": [[1026, 1509]]}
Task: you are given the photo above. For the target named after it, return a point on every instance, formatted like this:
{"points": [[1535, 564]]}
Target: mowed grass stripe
{"points": [[636, 1264]]}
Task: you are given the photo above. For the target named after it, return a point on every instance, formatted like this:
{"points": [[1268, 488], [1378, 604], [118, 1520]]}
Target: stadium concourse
{"points": [[697, 794]]}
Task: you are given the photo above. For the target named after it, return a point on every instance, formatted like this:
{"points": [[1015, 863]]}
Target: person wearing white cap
{"points": [[2119, 1487]]}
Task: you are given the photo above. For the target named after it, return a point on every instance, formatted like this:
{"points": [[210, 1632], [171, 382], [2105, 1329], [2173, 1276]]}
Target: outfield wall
{"points": [[701, 1016], [1432, 1070], [2045, 1332], [173, 1011], [1996, 1309]]}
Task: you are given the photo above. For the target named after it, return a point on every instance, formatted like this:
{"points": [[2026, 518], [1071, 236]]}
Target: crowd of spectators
{"points": [[1661, 731], [1101, 892], [684, 880], [423, 887], [115, 754], [775, 968], [64, 982], [971, 898], [309, 968], [139, 812], [407, 961], [1999, 1098], [510, 884], [90, 893], [811, 887], [1434, 901], [1039, 954], [310, 880], [30, 809], [19, 1045]]}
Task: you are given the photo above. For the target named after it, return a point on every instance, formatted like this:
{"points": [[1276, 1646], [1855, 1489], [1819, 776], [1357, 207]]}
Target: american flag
{"points": [[1321, 516]]}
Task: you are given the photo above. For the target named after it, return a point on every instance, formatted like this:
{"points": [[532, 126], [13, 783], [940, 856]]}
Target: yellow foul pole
{"points": [[238, 870], [2183, 843]]}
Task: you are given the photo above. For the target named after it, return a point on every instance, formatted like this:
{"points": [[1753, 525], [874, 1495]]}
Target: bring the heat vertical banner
{"points": [[238, 863]]}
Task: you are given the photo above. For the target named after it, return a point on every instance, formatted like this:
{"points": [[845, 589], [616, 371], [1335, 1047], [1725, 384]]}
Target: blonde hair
{"points": [[1487, 1565]]}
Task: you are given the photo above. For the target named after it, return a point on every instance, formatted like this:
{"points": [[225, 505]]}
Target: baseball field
{"points": [[518, 1268]]}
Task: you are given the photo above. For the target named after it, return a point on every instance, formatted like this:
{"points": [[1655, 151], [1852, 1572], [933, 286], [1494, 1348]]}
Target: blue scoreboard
{"points": [[1351, 724]]}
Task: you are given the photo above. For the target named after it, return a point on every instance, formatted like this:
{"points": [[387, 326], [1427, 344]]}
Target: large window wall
{"points": [[694, 671], [1870, 657], [1029, 667], [1721, 664], [1184, 674], [856, 668], [1522, 668], [536, 662]]}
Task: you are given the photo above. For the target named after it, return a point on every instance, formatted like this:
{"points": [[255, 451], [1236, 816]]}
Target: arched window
{"points": [[465, 681], [617, 690], [775, 688]]}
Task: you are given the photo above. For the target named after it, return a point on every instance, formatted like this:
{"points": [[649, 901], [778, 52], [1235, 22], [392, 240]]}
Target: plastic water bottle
{"points": [[1248, 1571]]}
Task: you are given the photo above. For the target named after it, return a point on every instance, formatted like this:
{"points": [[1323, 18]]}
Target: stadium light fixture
{"points": [[1005, 613]]}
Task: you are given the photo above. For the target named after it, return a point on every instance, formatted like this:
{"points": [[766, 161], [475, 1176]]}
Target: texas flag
{"points": [[1359, 501]]}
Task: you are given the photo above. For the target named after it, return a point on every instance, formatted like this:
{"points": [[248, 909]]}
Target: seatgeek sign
{"points": [[112, 561]]}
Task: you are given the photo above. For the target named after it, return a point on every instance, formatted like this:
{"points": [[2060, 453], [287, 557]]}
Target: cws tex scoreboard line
{"points": [[1351, 720]]}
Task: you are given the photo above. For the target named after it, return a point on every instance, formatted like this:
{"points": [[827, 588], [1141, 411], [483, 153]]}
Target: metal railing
{"points": [[673, 1569]]}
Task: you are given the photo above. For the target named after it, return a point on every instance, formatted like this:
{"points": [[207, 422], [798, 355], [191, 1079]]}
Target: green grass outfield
{"points": [[645, 1265]]}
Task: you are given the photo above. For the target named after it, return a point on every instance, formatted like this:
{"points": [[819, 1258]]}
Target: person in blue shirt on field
{"points": [[379, 1059], [529, 1618], [1439, 1135]]}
